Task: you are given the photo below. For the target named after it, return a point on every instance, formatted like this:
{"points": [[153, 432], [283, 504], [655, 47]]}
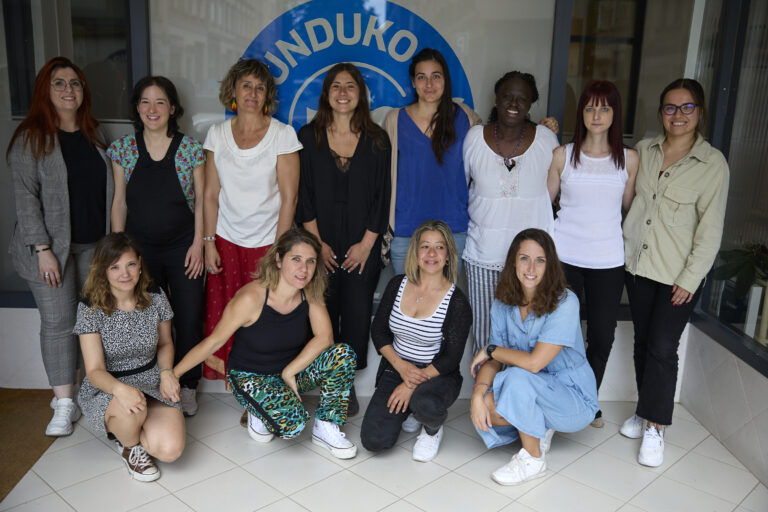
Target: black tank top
{"points": [[158, 213], [272, 341]]}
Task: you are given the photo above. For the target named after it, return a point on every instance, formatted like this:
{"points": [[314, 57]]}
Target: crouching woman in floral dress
{"points": [[130, 392]]}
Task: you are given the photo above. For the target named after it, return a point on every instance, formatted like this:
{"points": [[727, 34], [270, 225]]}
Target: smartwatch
{"points": [[489, 350]]}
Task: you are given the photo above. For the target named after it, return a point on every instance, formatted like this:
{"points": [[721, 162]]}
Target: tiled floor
{"points": [[223, 470]]}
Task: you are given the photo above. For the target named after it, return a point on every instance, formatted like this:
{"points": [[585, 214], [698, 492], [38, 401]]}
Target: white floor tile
{"points": [[92, 458], [80, 434], [479, 470], [712, 476], [463, 423], [458, 408], [563, 452], [627, 449], [401, 506], [560, 493], [29, 488], [49, 503], [516, 507], [454, 492], [713, 449], [111, 491], [685, 434], [757, 500], [358, 494], [197, 463], [630, 508], [610, 475], [235, 444], [165, 504], [456, 448], [235, 489], [666, 495], [227, 399], [395, 471], [284, 505], [592, 436], [292, 469], [213, 416]]}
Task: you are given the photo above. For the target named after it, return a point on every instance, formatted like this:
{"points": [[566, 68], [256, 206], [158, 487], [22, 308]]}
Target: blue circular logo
{"points": [[380, 38]]}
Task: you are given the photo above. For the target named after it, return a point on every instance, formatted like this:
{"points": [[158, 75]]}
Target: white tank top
{"points": [[588, 225]]}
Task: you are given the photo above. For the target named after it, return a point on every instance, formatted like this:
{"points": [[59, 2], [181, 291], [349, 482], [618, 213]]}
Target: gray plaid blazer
{"points": [[42, 206]]}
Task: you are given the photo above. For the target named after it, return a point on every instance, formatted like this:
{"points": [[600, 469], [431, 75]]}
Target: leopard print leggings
{"points": [[268, 398]]}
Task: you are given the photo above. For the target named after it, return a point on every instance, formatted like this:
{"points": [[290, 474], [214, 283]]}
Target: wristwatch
{"points": [[489, 350]]}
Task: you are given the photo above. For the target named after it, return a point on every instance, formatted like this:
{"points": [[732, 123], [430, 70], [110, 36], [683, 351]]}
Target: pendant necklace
{"points": [[509, 161]]}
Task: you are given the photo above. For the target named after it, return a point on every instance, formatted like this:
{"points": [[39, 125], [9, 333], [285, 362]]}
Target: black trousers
{"points": [[349, 299], [429, 404], [166, 267], [658, 325], [599, 291]]}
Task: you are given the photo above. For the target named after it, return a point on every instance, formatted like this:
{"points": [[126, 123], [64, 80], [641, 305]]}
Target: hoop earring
{"points": [[234, 105]]}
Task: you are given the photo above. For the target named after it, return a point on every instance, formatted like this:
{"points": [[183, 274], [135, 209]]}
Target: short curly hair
{"points": [[243, 68]]}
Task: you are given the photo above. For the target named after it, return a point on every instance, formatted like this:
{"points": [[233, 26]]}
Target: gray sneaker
{"points": [[188, 401]]}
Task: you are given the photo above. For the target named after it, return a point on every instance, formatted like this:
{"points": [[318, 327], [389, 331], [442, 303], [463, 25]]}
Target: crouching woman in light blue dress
{"points": [[533, 378]]}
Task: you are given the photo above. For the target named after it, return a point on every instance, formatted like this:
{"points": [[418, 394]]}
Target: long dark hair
{"points": [[443, 131], [361, 123], [552, 286], [696, 90], [39, 128], [600, 92], [173, 102]]}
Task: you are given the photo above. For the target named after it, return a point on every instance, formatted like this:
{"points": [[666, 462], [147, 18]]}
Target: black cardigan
{"points": [[458, 320]]}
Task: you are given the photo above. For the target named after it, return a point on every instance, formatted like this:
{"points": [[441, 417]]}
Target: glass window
{"points": [[100, 38], [738, 297]]}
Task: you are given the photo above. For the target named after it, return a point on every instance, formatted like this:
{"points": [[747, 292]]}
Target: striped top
{"points": [[418, 339]]}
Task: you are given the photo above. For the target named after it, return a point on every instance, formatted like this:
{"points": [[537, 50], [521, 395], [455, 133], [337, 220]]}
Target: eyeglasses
{"points": [[686, 108], [60, 84]]}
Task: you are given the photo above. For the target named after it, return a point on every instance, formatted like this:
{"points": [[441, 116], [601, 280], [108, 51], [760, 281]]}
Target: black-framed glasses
{"points": [[60, 84], [686, 108]]}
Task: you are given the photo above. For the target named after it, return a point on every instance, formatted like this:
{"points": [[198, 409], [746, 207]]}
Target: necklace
{"points": [[509, 161]]}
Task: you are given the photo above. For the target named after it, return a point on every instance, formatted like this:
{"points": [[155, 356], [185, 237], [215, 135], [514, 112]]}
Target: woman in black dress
{"points": [[344, 200], [158, 174]]}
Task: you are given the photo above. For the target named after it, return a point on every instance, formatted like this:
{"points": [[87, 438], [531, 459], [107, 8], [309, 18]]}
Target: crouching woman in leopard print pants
{"points": [[283, 346]]}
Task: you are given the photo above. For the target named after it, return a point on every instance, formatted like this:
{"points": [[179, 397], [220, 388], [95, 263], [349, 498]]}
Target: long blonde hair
{"points": [[269, 272]]}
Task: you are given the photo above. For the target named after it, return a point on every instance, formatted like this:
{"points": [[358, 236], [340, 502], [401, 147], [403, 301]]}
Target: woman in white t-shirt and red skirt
{"points": [[251, 189]]}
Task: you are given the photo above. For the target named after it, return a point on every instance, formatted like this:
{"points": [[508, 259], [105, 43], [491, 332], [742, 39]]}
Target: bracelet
{"points": [[209, 239], [38, 251], [165, 370], [482, 384]]}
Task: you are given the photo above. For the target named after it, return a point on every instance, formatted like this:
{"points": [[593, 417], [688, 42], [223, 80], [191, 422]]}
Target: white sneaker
{"points": [[652, 449], [426, 445], [328, 435], [140, 465], [546, 442], [65, 413], [189, 401], [411, 424], [257, 430], [633, 427], [521, 468]]}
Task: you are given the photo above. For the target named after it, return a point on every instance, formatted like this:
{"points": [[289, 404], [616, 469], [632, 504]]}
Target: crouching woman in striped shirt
{"points": [[420, 328]]}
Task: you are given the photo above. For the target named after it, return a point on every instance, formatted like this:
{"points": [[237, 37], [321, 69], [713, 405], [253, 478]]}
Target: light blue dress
{"points": [[563, 395]]}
